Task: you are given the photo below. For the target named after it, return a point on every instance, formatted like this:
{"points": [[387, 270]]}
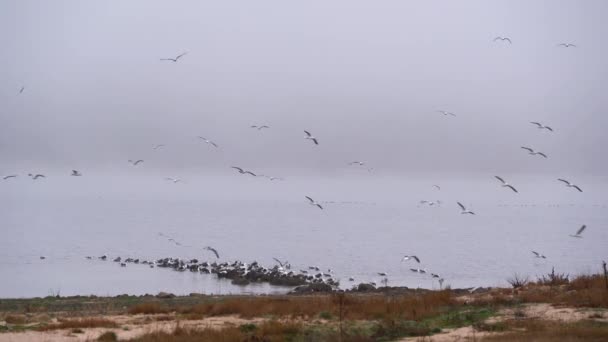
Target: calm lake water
{"points": [[369, 223]]}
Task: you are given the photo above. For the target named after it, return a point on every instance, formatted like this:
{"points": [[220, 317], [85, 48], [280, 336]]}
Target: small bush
{"points": [[80, 324], [15, 319], [147, 309], [518, 281], [249, 327], [108, 336], [325, 315], [553, 279]]}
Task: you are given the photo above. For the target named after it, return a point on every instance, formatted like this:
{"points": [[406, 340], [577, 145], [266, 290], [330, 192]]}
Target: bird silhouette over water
{"points": [[503, 39], [570, 185], [579, 232], [313, 203], [174, 60], [464, 209], [310, 137], [213, 250], [505, 184]]}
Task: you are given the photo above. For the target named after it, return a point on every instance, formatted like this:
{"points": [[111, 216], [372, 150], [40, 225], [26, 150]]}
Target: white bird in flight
{"points": [[579, 232], [9, 176], [437, 187], [360, 163], [174, 59], [36, 176], [208, 141], [538, 255], [156, 147], [213, 250], [464, 210], [241, 171], [541, 126], [259, 128], [566, 45], [136, 161], [174, 180], [570, 185], [410, 257], [505, 184], [21, 90], [532, 152], [446, 113], [503, 39], [313, 203], [310, 137], [76, 173]]}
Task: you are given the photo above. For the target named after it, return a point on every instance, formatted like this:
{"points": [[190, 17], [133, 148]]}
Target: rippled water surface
{"points": [[368, 224]]}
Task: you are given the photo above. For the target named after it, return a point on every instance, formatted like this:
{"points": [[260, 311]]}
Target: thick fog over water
{"points": [[82, 86]]}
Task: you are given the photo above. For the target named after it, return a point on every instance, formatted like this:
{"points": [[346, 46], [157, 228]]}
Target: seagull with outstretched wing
{"points": [[410, 257], [570, 185], [313, 203], [503, 39], [208, 141], [579, 232], [174, 59], [532, 152], [213, 250], [505, 184], [541, 126], [310, 137], [464, 209]]}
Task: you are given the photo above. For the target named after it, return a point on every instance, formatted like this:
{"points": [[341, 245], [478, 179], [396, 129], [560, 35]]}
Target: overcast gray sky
{"points": [[366, 77]]}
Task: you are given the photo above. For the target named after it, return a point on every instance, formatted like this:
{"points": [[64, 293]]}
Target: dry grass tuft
{"points": [[269, 331], [354, 307], [108, 336], [541, 331], [147, 309], [15, 319], [81, 323]]}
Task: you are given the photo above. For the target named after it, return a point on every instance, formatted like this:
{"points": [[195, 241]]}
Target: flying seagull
{"points": [[410, 257], [446, 113], [174, 180], [75, 173], [174, 59], [532, 152], [566, 45], [34, 177], [241, 171], [136, 161], [156, 147], [505, 184], [282, 264], [464, 210], [208, 141], [570, 185], [360, 163], [21, 90], [538, 255], [312, 202], [217, 255], [503, 39], [541, 126], [579, 232], [9, 176], [259, 128], [437, 187], [310, 137], [273, 178]]}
